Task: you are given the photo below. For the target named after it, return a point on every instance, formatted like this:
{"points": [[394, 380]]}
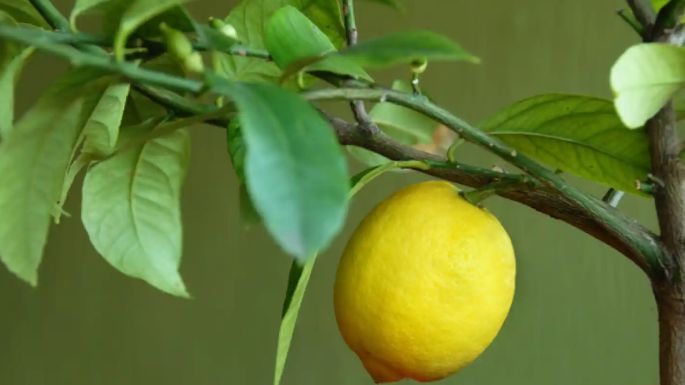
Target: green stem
{"points": [[51, 15], [350, 22]]}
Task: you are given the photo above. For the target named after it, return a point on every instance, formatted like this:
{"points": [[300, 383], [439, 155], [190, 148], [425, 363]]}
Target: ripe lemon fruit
{"points": [[424, 284]]}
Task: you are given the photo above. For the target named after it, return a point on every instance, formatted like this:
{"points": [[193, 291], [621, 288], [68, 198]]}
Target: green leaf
{"points": [[296, 173], [214, 39], [644, 79], [33, 163], [136, 14], [292, 38], [131, 209], [250, 18], [577, 134], [297, 285], [405, 47], [102, 128], [83, 6], [236, 150], [22, 12], [99, 136], [12, 59]]}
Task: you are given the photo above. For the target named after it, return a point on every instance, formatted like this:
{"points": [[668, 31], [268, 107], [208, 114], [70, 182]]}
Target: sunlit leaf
{"points": [[645, 78], [131, 210], [577, 134], [33, 163]]}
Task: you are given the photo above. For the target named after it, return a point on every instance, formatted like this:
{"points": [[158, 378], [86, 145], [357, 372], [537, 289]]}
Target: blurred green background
{"points": [[582, 314]]}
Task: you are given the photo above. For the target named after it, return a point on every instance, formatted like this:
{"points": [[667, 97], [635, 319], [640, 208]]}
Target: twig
{"points": [[366, 126], [644, 13], [52, 15]]}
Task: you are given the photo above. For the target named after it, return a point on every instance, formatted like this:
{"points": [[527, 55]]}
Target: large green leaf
{"points": [[131, 209], [292, 38], [23, 12], [12, 59], [33, 162], [250, 18], [645, 78], [137, 13], [295, 170], [405, 47], [577, 134]]}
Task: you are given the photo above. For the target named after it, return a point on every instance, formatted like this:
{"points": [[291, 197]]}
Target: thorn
{"points": [[497, 168]]}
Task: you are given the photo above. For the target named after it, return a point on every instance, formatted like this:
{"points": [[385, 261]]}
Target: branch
{"points": [[51, 15], [644, 13], [552, 196], [366, 126]]}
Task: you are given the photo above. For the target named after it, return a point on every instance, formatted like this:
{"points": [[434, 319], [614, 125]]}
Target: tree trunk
{"points": [[671, 307]]}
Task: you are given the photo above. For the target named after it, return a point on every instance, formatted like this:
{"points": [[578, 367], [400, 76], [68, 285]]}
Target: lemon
{"points": [[424, 284]]}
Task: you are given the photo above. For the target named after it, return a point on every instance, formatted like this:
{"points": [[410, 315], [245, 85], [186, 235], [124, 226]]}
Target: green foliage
{"points": [[12, 59], [577, 134], [131, 209], [406, 47], [295, 170], [136, 14], [101, 132], [297, 285], [401, 123], [293, 41], [33, 163], [22, 12], [645, 78]]}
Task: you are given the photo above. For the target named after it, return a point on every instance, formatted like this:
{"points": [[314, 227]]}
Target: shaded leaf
{"points": [[644, 79], [33, 163], [292, 38], [405, 47], [296, 173], [131, 210], [22, 12], [137, 13], [577, 134], [236, 150]]}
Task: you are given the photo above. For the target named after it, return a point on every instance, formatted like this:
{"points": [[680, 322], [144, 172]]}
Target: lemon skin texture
{"points": [[424, 284]]}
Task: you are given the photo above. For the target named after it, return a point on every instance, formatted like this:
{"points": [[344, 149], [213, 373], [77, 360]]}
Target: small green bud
{"points": [[419, 66], [225, 28], [177, 42]]}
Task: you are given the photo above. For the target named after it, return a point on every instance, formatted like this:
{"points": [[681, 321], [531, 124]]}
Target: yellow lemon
{"points": [[424, 285]]}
